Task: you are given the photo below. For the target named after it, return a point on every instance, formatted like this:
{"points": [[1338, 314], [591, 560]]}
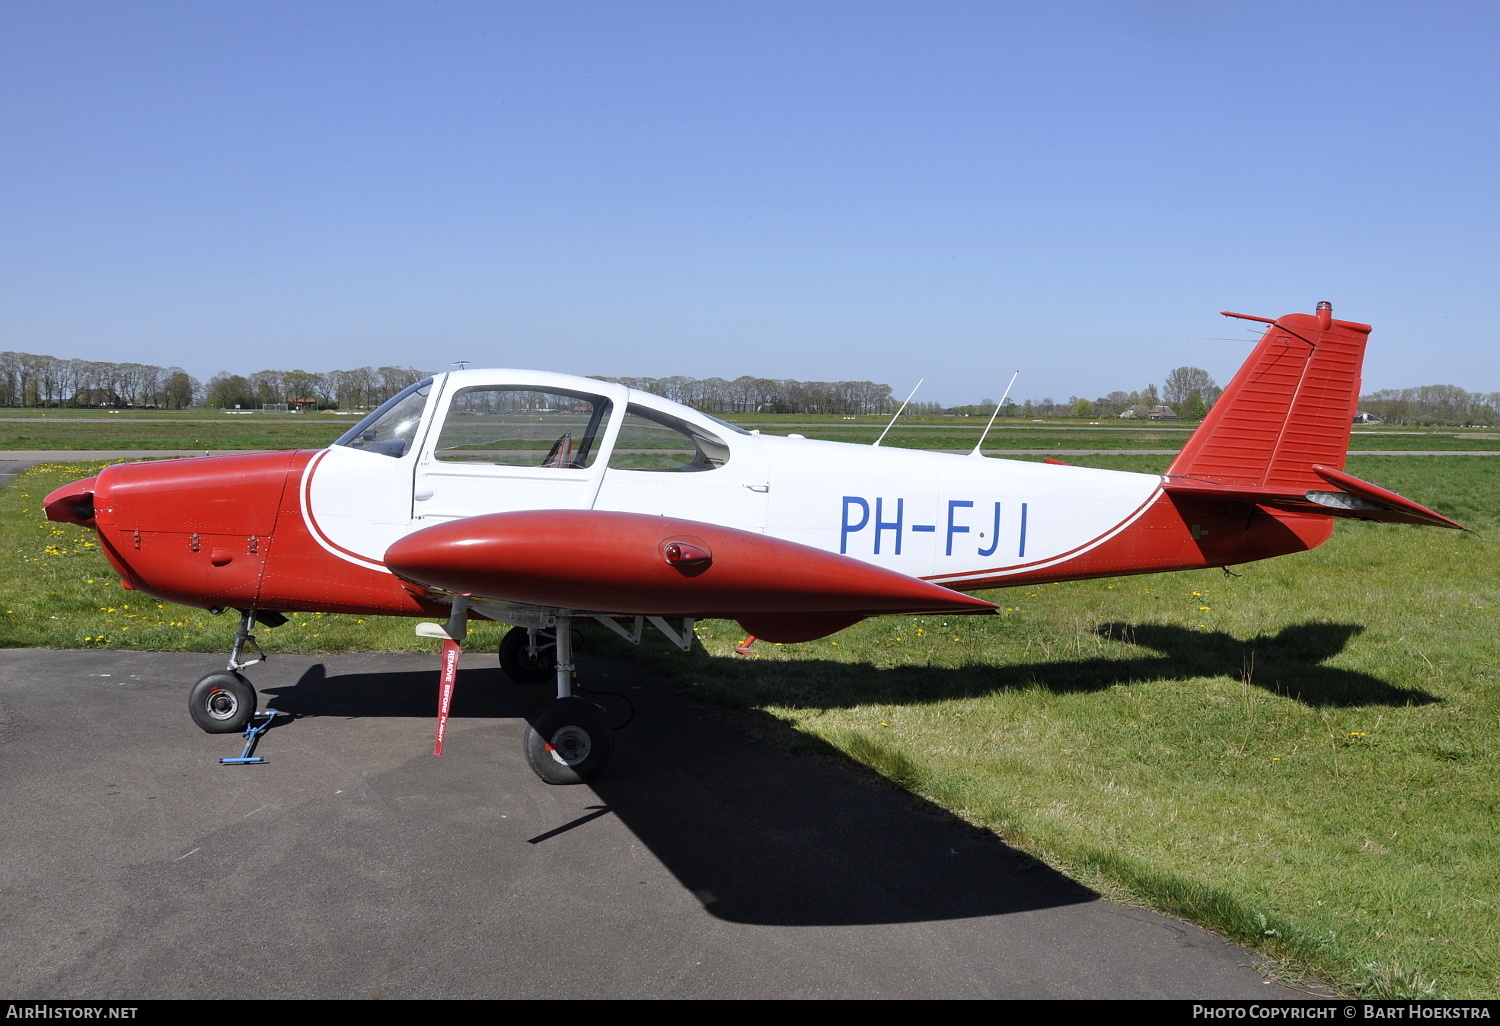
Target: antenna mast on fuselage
{"points": [[998, 405], [898, 412]]}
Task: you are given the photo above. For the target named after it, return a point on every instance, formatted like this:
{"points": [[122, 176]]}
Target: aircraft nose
{"points": [[195, 531], [72, 503]]}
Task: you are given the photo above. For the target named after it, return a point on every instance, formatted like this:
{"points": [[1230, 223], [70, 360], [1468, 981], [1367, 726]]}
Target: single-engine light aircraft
{"points": [[538, 499]]}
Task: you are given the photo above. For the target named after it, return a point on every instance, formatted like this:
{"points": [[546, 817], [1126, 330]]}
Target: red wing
{"points": [[630, 563]]}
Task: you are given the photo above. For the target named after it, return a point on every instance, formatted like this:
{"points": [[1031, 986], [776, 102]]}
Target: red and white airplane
{"points": [[537, 499]]}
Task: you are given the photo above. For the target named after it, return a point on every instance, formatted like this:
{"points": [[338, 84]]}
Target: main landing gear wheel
{"points": [[222, 703], [517, 662], [569, 742]]}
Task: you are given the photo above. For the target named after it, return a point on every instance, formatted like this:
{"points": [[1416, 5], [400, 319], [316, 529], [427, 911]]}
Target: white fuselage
{"points": [[952, 518]]}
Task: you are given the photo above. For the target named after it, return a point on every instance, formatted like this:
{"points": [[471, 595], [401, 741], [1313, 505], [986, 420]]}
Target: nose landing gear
{"points": [[224, 702]]}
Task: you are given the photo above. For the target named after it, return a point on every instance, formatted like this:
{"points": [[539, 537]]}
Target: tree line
{"points": [[31, 380], [748, 394], [358, 389], [1433, 406]]}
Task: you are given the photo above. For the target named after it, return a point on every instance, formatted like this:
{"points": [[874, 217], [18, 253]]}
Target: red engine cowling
{"points": [[193, 531], [225, 531]]}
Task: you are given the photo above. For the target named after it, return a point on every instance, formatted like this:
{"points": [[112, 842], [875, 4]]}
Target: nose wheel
{"points": [[222, 703]]}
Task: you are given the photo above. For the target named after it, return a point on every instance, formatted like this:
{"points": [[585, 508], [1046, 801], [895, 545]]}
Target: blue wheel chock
{"points": [[253, 731]]}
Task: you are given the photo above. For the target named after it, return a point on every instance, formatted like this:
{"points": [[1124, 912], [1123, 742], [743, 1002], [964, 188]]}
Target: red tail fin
{"points": [[1291, 406]]}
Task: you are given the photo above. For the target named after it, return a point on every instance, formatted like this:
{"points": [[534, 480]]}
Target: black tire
{"points": [[569, 742], [222, 703], [517, 663]]}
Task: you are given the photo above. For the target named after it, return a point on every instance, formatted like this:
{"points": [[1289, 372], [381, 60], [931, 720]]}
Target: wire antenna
{"points": [[462, 364], [898, 412], [998, 407]]}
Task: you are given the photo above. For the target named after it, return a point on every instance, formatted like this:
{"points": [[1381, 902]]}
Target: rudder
{"points": [[1290, 406]]}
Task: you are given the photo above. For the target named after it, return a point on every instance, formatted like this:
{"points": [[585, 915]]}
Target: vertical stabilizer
{"points": [[1290, 406]]}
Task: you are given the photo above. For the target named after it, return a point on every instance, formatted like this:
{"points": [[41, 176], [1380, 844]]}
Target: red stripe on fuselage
{"points": [[1177, 533]]}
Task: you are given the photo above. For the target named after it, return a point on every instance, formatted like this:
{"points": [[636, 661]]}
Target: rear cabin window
{"points": [[523, 427], [651, 440]]}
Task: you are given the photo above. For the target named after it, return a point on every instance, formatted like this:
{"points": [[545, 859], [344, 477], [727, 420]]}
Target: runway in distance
{"points": [[538, 499]]}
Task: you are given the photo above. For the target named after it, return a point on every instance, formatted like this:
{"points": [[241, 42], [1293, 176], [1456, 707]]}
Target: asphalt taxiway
{"points": [[354, 864]]}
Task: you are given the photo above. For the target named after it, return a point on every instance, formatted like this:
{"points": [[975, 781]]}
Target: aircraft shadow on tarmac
{"points": [[756, 835], [477, 693]]}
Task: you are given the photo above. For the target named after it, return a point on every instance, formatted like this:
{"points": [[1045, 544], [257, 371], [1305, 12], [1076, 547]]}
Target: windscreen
{"points": [[391, 429]]}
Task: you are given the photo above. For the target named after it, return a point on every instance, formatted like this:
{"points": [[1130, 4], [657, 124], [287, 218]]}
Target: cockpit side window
{"points": [[655, 441], [392, 428], [523, 427]]}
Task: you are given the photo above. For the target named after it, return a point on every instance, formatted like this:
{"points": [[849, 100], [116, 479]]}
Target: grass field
{"points": [[190, 430], [155, 429], [1302, 757]]}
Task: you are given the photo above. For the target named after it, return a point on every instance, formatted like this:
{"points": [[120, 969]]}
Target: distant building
{"points": [[1149, 413], [96, 397]]}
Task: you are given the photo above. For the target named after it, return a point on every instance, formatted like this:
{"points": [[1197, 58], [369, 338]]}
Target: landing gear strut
{"points": [[567, 741]]}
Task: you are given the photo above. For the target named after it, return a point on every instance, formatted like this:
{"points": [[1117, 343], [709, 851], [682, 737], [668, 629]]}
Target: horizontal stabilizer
{"points": [[1353, 500], [631, 563]]}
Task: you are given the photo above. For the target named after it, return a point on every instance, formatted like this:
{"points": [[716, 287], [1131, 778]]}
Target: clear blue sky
{"points": [[806, 189]]}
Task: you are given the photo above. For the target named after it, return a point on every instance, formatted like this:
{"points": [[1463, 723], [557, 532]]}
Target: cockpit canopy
{"points": [[543, 425]]}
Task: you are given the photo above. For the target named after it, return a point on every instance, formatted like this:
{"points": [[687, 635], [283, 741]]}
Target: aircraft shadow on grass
{"points": [[755, 835], [1291, 664], [761, 837]]}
